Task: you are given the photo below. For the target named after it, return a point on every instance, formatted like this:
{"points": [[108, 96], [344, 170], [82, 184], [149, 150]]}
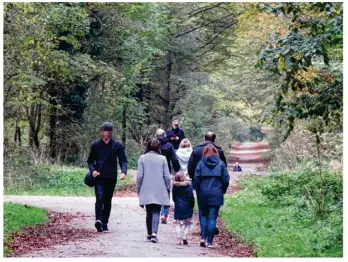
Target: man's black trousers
{"points": [[104, 190]]}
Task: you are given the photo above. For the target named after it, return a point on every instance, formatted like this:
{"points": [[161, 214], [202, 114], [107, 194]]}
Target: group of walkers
{"points": [[169, 166]]}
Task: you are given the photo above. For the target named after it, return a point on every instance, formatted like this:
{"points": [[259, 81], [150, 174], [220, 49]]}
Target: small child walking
{"points": [[184, 202]]}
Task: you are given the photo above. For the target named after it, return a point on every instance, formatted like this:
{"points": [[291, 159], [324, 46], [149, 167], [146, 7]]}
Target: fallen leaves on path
{"points": [[226, 245], [57, 230], [127, 191]]}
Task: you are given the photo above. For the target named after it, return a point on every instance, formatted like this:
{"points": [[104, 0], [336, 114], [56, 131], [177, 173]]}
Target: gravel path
{"points": [[127, 231], [127, 222]]}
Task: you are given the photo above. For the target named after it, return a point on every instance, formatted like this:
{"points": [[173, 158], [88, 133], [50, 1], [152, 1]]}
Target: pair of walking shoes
{"points": [[204, 244], [183, 242], [152, 238], [101, 227]]}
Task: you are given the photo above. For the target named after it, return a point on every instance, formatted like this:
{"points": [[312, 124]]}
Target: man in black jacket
{"points": [[197, 153], [102, 163], [175, 134], [168, 151]]}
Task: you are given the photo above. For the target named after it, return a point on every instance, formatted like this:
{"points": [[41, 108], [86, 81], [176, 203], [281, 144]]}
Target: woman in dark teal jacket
{"points": [[211, 181]]}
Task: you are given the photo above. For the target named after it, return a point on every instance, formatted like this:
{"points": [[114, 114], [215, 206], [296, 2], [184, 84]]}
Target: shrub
{"points": [[279, 214]]}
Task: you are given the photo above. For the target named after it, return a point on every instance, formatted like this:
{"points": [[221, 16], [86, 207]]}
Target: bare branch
{"points": [[199, 27], [209, 42], [203, 9]]}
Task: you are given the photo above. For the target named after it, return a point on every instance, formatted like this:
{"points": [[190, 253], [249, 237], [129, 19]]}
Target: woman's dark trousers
{"points": [[152, 218]]}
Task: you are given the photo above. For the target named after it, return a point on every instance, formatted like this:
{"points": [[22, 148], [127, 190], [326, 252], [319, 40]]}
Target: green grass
{"points": [[17, 217], [277, 230], [54, 180]]}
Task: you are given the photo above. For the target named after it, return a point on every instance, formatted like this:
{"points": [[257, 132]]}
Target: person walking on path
{"points": [[153, 185], [211, 181], [184, 203], [175, 134], [196, 155], [183, 153], [168, 151], [102, 164], [237, 168]]}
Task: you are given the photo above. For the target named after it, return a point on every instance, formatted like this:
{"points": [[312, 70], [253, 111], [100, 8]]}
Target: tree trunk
{"points": [[34, 118], [169, 64], [52, 131], [18, 134], [17, 137], [124, 126]]}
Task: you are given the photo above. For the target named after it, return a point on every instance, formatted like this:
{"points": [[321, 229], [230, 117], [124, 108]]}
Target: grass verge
{"points": [[18, 217], [274, 215], [54, 180]]}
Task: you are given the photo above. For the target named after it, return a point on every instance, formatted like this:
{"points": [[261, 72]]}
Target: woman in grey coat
{"points": [[153, 183]]}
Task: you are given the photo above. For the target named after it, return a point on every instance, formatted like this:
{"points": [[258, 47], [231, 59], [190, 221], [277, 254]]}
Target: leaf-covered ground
{"points": [[54, 232]]}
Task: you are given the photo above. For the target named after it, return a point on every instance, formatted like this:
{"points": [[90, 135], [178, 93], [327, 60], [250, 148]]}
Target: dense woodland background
{"points": [[227, 67], [248, 71]]}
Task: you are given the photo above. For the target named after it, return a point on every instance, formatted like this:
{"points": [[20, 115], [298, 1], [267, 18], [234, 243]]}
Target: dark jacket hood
{"points": [[211, 161]]}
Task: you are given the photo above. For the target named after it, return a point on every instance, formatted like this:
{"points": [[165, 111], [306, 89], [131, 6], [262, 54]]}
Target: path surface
{"points": [[127, 221], [127, 236], [250, 156]]}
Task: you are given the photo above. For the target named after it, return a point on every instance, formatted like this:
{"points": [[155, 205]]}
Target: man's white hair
{"points": [[160, 132]]}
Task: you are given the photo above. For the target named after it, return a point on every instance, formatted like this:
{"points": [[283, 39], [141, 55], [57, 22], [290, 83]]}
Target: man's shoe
{"points": [[210, 246], [105, 228], [163, 219], [99, 226], [148, 237], [184, 241], [203, 244]]}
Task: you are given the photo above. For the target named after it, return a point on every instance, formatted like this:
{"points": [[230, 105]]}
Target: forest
{"points": [[247, 71]]}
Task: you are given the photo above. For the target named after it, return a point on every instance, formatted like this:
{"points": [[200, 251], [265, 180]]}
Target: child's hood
{"points": [[181, 183]]}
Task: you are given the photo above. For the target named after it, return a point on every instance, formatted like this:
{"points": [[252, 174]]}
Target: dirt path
{"points": [[250, 156], [127, 236], [127, 221]]}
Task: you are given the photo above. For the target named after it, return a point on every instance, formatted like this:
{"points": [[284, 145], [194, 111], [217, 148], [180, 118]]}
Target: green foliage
{"points": [[56, 180], [309, 60], [18, 217], [278, 214]]}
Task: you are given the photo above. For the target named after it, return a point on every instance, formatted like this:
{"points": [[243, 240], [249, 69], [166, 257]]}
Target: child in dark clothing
{"points": [[184, 202]]}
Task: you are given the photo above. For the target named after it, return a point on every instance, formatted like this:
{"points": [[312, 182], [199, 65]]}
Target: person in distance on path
{"points": [[175, 134], [237, 168], [102, 164]]}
